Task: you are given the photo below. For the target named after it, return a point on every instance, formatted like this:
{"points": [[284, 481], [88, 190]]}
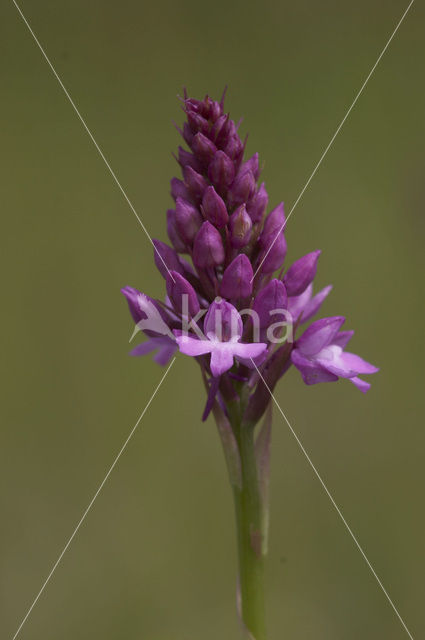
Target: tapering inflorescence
{"points": [[231, 303]]}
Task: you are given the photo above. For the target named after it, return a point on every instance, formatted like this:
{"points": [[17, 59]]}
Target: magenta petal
{"points": [[313, 305], [223, 320], [221, 360], [344, 365], [192, 346], [357, 364], [251, 350], [319, 335], [251, 363], [144, 348], [311, 372], [343, 338], [298, 304], [165, 346], [360, 384], [165, 353]]}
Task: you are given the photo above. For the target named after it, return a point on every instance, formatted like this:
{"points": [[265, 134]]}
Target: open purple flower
{"points": [[223, 329], [320, 357]]}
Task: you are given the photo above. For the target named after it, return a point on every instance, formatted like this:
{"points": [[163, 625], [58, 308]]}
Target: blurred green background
{"points": [[155, 558]]}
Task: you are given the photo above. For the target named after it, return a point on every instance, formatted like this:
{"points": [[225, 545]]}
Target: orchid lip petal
{"points": [[221, 361], [311, 371], [342, 363]]}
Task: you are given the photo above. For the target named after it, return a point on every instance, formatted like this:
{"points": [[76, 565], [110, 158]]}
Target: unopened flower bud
{"points": [[272, 298], [251, 165], [301, 273], [195, 182], [208, 250], [188, 159], [179, 189], [197, 106], [187, 134], [221, 170], [240, 227], [203, 147], [242, 188], [188, 220], [275, 221], [177, 288], [237, 279], [214, 208], [219, 130], [258, 204], [215, 110], [173, 233], [166, 259], [274, 252], [197, 122], [234, 148]]}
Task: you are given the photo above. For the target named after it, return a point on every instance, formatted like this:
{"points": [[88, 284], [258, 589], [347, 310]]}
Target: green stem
{"points": [[249, 536]]}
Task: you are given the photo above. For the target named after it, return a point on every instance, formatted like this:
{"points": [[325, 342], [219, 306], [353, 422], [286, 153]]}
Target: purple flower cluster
{"points": [[229, 297]]}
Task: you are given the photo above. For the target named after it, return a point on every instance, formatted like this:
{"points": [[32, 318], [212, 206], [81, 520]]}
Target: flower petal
{"points": [[319, 335], [343, 338], [165, 347], [144, 348], [311, 372], [252, 350], [356, 363], [297, 304], [221, 358], [253, 361], [165, 353], [342, 364], [223, 321], [360, 384], [192, 346], [313, 305]]}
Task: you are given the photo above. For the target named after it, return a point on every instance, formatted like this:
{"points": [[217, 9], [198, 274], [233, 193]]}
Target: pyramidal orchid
{"points": [[234, 306]]}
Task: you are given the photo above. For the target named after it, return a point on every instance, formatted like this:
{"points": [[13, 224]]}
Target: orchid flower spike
{"points": [[245, 341]]}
